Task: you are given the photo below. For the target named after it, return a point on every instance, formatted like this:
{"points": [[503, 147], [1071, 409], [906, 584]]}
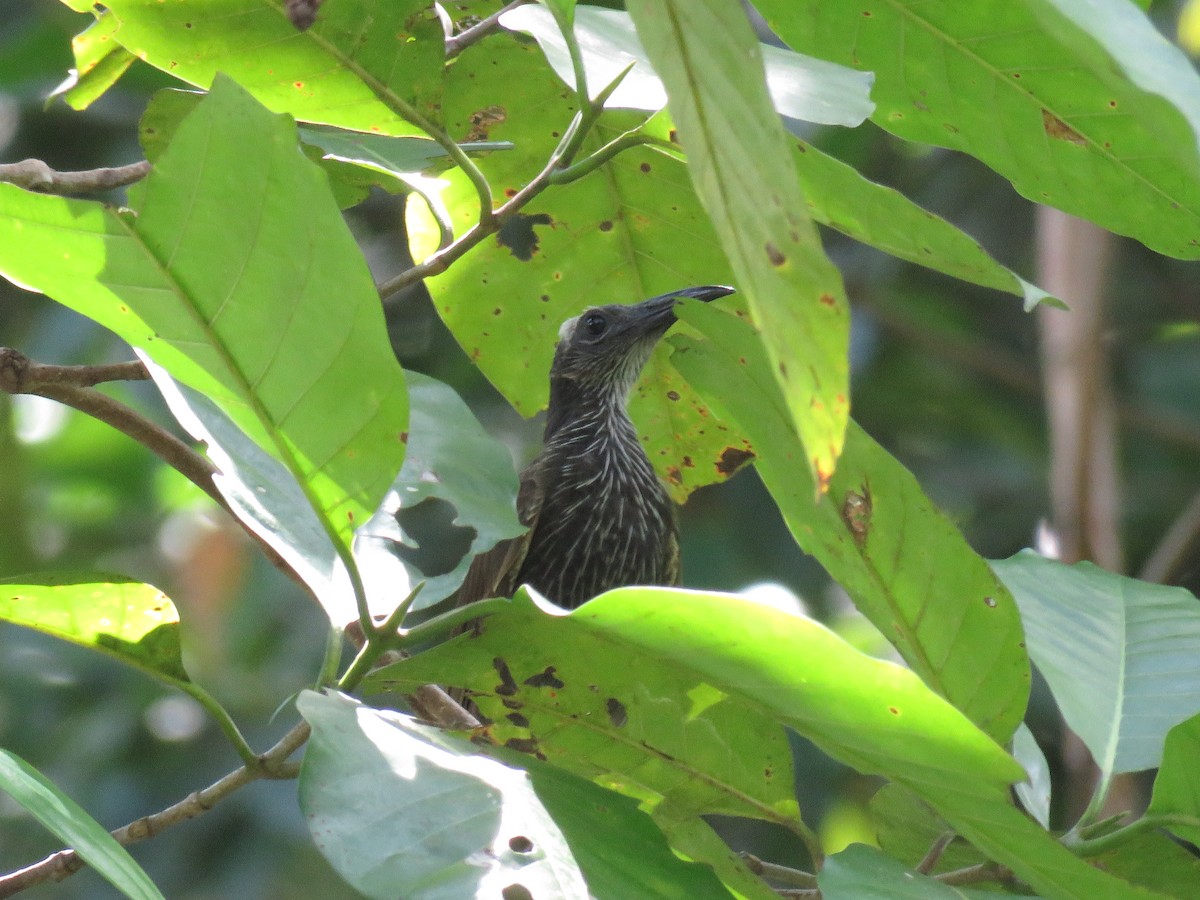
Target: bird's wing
{"points": [[494, 573]]}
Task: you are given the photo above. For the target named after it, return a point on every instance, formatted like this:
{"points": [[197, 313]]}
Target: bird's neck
{"points": [[577, 408]]}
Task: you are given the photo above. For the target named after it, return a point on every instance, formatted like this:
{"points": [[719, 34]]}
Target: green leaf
{"points": [[135, 623], [236, 273], [1122, 657], [450, 457], [1177, 787], [66, 819], [620, 851], [863, 873], [907, 828], [801, 87], [397, 156], [1156, 860], [840, 197], [401, 809], [740, 163], [1034, 791], [363, 65], [268, 500], [1108, 132], [667, 696], [99, 62], [625, 717], [632, 230], [903, 562]]}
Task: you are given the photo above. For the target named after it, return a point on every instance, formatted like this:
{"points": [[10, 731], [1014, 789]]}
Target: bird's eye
{"points": [[595, 323]]}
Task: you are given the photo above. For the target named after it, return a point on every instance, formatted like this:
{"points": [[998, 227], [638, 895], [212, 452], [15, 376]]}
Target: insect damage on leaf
{"points": [[518, 236], [1060, 130], [482, 121]]}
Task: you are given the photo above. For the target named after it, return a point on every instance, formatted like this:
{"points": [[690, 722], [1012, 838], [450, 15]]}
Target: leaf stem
{"points": [[378, 640], [223, 719], [1095, 846], [332, 658], [778, 873], [593, 161]]}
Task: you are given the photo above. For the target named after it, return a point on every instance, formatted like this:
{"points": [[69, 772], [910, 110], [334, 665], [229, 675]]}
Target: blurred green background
{"points": [[946, 376]]}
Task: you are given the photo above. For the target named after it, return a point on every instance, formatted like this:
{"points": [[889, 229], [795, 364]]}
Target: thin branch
{"points": [[71, 386], [593, 161], [468, 36], [35, 175], [271, 764], [934, 853], [781, 874], [1176, 548], [978, 874], [437, 263]]}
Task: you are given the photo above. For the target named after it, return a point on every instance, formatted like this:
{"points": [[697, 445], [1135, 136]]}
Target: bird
{"points": [[596, 514]]}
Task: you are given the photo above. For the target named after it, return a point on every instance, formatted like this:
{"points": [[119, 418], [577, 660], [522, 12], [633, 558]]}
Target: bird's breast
{"points": [[605, 520]]}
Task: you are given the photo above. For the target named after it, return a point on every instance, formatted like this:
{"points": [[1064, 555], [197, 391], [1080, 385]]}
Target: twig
{"points": [[437, 263], [35, 175], [934, 853], [468, 36], [1176, 547], [781, 874], [976, 874], [271, 764], [71, 386]]}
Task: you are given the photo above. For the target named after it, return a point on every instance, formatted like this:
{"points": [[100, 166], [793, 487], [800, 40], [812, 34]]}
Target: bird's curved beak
{"points": [[659, 312]]}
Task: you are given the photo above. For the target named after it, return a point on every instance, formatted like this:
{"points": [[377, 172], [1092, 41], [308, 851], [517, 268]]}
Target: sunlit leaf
{"points": [[1107, 132], [99, 61], [401, 809], [840, 197], [627, 718], [903, 562], [131, 621], [740, 162], [236, 273], [357, 67], [642, 689]]}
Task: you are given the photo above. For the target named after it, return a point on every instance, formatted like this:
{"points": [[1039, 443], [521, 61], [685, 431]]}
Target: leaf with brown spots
{"points": [[759, 211], [658, 241], [901, 560]]}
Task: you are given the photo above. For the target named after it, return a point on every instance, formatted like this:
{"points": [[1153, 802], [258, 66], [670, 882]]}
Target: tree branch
{"points": [[71, 386], [35, 175], [934, 853], [437, 263], [468, 36], [272, 764], [1176, 547]]}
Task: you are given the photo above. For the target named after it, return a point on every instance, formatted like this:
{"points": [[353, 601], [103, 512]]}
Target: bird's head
{"points": [[603, 349]]}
